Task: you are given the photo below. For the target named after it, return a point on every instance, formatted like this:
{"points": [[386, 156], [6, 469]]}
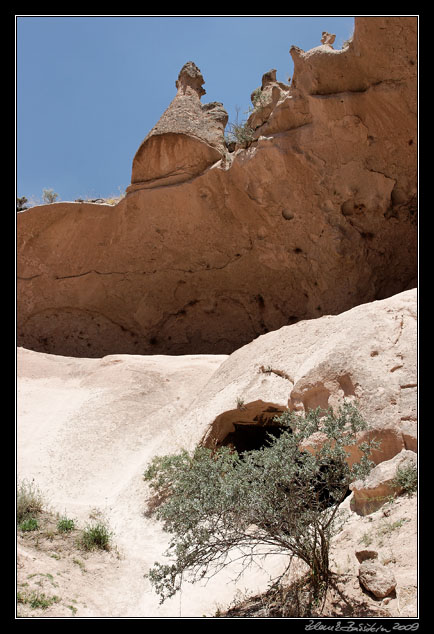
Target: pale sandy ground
{"points": [[86, 430]]}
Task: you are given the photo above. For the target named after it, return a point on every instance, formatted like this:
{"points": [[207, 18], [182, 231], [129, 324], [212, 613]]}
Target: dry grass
{"points": [[29, 500]]}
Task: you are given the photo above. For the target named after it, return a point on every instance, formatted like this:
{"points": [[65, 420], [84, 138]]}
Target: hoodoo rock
{"points": [[210, 248], [188, 138]]}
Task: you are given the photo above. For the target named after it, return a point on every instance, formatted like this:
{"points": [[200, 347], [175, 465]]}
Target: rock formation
{"points": [[137, 406], [328, 38], [188, 138], [377, 579], [211, 248]]}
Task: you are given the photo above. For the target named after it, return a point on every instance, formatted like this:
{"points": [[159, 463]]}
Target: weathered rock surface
{"points": [[367, 354], [377, 579], [372, 493], [209, 250], [363, 555], [188, 138]]}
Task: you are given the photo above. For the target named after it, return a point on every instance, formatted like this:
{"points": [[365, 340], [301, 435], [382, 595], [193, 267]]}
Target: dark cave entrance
{"points": [[251, 436], [246, 428], [249, 428]]}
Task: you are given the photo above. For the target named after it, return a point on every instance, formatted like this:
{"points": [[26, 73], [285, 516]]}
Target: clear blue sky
{"points": [[89, 89]]}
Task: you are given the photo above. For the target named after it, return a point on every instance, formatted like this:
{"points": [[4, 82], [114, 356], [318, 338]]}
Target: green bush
{"points": [[406, 479], [96, 535], [21, 203], [240, 133], [29, 524], [217, 502]]}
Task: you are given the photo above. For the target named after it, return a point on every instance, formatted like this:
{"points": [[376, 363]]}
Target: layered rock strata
{"points": [[210, 248]]}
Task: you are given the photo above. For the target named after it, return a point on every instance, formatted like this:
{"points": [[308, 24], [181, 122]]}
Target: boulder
{"points": [[363, 555], [370, 494], [265, 99], [377, 579]]}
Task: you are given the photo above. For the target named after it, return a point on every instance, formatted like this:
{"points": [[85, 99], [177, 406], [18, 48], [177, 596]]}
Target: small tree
{"points": [[219, 505], [49, 195], [21, 203]]}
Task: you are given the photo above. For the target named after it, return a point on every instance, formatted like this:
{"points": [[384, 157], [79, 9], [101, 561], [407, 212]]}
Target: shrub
{"points": [[49, 195], [279, 496], [406, 479], [258, 99], [240, 133], [96, 535], [29, 500]]}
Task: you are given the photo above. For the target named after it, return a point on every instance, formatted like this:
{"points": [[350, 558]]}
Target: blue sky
{"points": [[89, 88]]}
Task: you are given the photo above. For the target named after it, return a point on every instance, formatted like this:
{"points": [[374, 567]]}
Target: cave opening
{"points": [[249, 429], [251, 436], [246, 428]]}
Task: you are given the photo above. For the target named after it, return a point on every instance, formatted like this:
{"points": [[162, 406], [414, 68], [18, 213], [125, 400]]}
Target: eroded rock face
{"points": [[211, 249]]}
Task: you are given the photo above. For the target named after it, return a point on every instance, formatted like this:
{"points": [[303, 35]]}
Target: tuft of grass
{"points": [[65, 525], [36, 599], [96, 535], [366, 539], [79, 563], [240, 403], [29, 500], [28, 524], [406, 479]]}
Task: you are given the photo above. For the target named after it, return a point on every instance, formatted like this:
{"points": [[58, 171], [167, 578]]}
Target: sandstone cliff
{"points": [[211, 248]]}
